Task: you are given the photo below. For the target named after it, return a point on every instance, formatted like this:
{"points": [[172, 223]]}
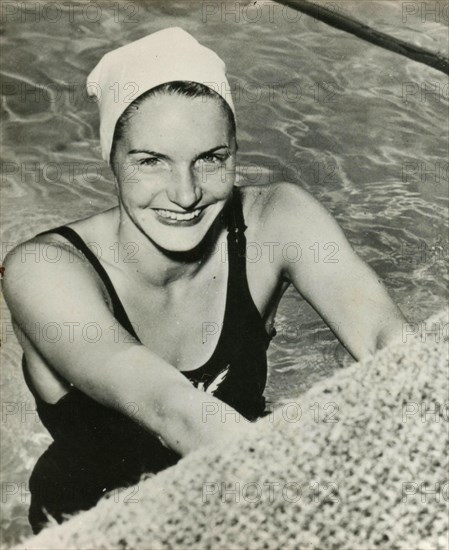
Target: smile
{"points": [[178, 216]]}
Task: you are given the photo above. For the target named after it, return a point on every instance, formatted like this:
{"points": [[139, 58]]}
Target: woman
{"points": [[178, 357]]}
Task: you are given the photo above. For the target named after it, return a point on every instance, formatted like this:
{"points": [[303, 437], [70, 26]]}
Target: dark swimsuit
{"points": [[97, 449]]}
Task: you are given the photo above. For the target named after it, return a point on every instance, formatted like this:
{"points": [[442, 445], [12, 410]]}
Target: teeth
{"points": [[177, 216]]}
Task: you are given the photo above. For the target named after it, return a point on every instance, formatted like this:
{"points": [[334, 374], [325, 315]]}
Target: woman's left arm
{"points": [[344, 290]]}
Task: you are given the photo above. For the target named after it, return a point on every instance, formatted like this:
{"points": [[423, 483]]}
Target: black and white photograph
{"points": [[224, 268]]}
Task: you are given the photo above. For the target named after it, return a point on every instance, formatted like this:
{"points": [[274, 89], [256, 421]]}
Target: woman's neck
{"points": [[159, 267]]}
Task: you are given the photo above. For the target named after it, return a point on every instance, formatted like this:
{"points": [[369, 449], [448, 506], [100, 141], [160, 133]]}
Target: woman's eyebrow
{"points": [[161, 155], [151, 153], [224, 146]]}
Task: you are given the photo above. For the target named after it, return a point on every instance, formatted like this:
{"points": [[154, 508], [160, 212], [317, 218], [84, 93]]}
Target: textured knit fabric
{"points": [[97, 449], [362, 464]]}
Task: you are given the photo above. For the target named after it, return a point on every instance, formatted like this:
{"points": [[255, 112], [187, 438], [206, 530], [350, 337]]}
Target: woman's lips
{"points": [[171, 217]]}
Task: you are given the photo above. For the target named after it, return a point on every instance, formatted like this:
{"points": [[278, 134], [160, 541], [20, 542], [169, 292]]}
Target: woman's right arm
{"points": [[115, 369]]}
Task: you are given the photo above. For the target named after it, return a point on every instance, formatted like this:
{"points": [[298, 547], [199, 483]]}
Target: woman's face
{"points": [[175, 167]]}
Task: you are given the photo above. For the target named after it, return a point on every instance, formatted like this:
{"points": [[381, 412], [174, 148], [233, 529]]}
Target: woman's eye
{"points": [[150, 161], [213, 158]]}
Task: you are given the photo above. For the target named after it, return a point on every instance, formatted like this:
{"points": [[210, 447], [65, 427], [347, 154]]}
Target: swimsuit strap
{"points": [[119, 311], [236, 228], [237, 255], [239, 294]]}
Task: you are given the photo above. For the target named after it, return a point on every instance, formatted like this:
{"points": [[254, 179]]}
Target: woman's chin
{"points": [[178, 240], [179, 245]]}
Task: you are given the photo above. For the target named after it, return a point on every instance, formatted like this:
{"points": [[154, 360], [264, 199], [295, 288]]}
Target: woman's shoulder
{"points": [[263, 199], [268, 208], [91, 230], [99, 226], [48, 252]]}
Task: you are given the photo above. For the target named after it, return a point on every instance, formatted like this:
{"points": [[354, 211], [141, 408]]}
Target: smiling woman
{"points": [[180, 175], [173, 152]]}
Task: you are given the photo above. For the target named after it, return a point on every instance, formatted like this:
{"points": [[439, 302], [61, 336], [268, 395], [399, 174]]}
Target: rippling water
{"points": [[342, 128]]}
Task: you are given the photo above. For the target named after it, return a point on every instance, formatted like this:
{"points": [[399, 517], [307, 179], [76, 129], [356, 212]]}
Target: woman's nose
{"points": [[184, 189]]}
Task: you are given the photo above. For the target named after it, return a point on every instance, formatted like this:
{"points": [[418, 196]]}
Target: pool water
{"points": [[348, 121]]}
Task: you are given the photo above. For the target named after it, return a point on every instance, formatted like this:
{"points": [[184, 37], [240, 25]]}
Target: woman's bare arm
{"points": [[341, 286], [114, 370]]}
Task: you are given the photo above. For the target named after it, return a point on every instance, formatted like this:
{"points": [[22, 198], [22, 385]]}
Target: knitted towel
{"points": [[360, 461]]}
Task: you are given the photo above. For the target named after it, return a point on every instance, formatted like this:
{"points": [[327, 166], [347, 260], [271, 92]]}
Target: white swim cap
{"points": [[124, 74]]}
